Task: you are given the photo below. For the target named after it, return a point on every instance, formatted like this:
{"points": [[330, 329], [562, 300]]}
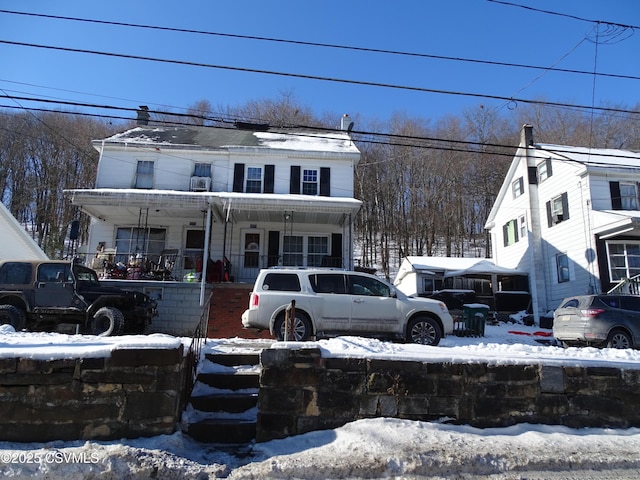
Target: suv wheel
{"points": [[301, 327], [10, 315], [618, 339], [424, 331], [107, 321]]}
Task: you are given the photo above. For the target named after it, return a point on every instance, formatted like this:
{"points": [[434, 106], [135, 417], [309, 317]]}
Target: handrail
{"points": [[195, 348], [627, 286]]}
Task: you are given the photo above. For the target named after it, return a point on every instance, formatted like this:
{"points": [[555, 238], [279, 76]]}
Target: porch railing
{"points": [[627, 286], [245, 268]]}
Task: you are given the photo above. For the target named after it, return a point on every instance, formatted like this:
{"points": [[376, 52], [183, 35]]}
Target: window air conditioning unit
{"points": [[200, 184], [557, 218]]}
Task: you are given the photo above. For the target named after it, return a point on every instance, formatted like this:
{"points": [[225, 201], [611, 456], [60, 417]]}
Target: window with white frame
{"points": [[629, 196], [518, 187], [304, 250], [202, 170], [562, 267], [145, 242], [624, 259], [544, 170], [144, 174], [254, 180], [309, 181], [557, 210], [522, 226]]}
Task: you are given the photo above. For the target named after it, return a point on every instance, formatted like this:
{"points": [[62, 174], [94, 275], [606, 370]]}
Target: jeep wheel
{"points": [[301, 327], [10, 315], [108, 321], [424, 331]]}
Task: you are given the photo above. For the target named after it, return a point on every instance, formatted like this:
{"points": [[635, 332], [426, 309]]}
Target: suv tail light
{"points": [[591, 312], [254, 300]]}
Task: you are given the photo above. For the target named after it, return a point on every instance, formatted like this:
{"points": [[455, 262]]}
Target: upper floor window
{"points": [[254, 180], [544, 170], [202, 170], [309, 182], [144, 174], [557, 210], [518, 187], [628, 196]]}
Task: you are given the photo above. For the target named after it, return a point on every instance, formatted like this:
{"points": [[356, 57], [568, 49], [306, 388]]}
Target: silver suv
{"points": [[332, 302]]}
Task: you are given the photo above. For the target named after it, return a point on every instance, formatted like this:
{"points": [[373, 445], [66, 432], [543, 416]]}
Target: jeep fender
{"points": [[16, 299]]}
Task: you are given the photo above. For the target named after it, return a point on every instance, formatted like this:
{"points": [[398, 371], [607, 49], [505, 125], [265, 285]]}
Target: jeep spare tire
{"points": [[107, 321], [10, 315]]}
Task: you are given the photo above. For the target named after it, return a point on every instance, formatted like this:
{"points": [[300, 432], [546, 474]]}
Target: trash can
{"points": [[475, 318]]}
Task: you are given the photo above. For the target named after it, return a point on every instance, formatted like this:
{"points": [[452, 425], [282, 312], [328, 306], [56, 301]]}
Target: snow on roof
{"points": [[594, 156], [231, 138], [16, 242]]}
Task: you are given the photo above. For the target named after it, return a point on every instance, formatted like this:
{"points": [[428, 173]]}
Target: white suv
{"points": [[331, 302]]}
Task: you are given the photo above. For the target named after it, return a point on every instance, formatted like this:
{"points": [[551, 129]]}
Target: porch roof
{"points": [[120, 205], [611, 223]]}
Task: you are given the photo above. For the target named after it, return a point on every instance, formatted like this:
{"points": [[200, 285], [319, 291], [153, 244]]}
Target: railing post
{"points": [[290, 315]]}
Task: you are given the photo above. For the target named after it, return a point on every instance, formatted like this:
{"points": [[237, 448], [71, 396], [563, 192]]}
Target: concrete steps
{"points": [[223, 407]]}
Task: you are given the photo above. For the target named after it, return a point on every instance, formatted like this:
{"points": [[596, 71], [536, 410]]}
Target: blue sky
{"points": [[469, 29]]}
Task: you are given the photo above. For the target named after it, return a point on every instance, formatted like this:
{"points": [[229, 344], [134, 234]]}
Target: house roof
{"points": [[16, 243], [450, 266], [591, 158], [217, 138]]}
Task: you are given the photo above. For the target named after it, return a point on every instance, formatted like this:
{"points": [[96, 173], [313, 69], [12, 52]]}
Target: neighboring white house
{"points": [[255, 195], [570, 217], [16, 242]]}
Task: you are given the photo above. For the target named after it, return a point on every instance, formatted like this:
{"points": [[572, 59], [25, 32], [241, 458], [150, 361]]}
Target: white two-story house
{"points": [[570, 217], [246, 197]]}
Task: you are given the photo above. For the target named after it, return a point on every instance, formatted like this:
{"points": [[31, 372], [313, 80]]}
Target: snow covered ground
{"points": [[373, 448]]}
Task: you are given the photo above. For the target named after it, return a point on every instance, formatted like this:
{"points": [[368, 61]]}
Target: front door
{"points": [[252, 260]]}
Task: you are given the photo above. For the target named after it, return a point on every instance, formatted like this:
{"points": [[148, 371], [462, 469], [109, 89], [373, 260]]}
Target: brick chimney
{"points": [[143, 115], [526, 136]]}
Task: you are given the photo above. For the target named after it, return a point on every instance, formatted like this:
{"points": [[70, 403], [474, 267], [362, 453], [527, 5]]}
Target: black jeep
{"points": [[39, 295]]}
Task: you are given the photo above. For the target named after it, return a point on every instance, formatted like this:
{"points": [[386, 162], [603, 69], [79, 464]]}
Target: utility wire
{"points": [[313, 77], [324, 45]]}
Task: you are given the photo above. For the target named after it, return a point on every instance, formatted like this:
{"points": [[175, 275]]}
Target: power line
{"points": [[315, 77], [398, 140], [325, 45], [574, 17]]}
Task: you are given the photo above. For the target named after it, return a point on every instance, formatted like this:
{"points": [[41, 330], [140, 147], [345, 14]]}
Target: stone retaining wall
{"points": [[300, 391], [133, 393]]}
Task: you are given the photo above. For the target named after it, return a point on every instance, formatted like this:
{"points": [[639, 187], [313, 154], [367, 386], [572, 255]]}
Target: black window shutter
{"points": [[238, 177], [273, 249], [616, 199], [549, 170], [505, 234], [269, 176], [515, 230], [549, 218], [325, 181], [336, 250], [565, 207], [533, 175], [294, 180]]}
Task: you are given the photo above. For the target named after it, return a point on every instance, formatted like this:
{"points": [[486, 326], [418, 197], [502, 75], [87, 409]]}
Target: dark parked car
{"points": [[40, 295], [598, 320]]}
